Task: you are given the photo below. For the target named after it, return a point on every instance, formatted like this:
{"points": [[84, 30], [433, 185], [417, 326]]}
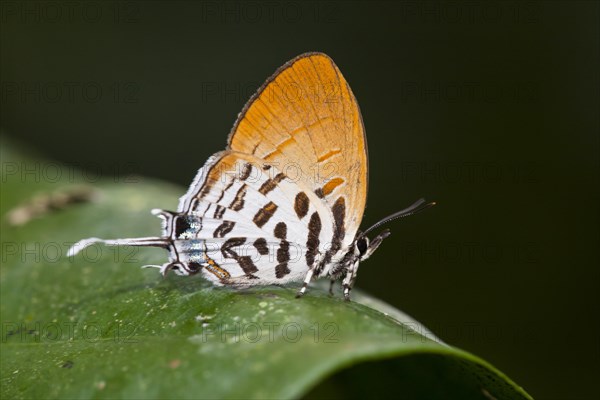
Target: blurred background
{"points": [[488, 108]]}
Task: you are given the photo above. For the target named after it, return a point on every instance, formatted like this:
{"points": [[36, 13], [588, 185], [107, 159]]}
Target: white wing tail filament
{"points": [[143, 242], [153, 241], [173, 225]]}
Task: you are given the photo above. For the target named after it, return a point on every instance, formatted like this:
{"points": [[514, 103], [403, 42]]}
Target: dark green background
{"points": [[491, 109]]}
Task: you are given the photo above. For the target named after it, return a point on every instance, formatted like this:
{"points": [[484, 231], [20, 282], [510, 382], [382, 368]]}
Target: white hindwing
{"points": [[245, 220]]}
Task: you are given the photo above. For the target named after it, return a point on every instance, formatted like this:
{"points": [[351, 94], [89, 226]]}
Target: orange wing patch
{"points": [[303, 115], [216, 270], [331, 185], [328, 155]]}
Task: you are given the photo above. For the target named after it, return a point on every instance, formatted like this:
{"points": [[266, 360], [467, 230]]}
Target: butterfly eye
{"points": [[362, 244]]}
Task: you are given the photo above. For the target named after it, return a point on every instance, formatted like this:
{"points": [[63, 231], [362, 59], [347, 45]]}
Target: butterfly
{"points": [[284, 201]]}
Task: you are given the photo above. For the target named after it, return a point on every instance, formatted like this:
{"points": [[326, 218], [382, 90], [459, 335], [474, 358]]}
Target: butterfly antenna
{"points": [[417, 207]]}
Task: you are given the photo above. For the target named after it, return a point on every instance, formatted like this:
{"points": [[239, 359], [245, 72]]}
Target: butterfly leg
{"points": [[348, 281], [331, 283], [307, 279], [347, 288]]}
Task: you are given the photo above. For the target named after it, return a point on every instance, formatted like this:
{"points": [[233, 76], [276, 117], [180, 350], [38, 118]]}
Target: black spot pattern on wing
{"points": [[271, 184], [194, 267], [261, 246], [219, 211], [181, 225], [224, 229], [280, 231], [246, 171], [230, 184], [238, 202], [312, 242], [339, 230], [301, 205], [245, 262], [283, 253], [264, 214]]}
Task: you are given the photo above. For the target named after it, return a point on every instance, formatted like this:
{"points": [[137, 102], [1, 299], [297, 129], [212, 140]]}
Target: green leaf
{"points": [[98, 326]]}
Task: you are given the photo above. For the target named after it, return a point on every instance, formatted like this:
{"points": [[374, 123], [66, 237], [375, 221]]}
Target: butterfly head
{"points": [[363, 247], [360, 250]]}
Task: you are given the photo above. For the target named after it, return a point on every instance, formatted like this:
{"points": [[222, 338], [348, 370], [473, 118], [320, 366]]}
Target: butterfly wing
{"points": [[306, 120], [243, 220], [288, 193]]}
